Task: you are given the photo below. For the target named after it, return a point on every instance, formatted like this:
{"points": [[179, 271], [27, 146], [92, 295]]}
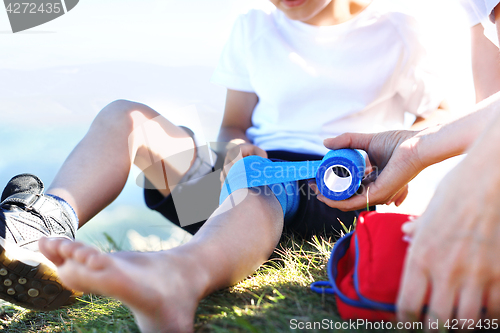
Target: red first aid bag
{"points": [[365, 268]]}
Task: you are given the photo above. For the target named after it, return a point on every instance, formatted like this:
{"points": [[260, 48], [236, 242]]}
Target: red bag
{"points": [[365, 268]]}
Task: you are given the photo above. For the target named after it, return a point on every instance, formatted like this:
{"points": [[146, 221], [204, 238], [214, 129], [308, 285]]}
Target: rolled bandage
{"points": [[340, 173], [338, 176]]}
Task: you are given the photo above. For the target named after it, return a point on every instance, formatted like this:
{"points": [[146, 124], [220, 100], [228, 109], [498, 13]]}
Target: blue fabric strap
{"points": [[282, 177]]}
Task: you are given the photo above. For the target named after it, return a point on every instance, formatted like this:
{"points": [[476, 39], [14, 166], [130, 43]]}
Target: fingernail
{"points": [[407, 239], [406, 227]]}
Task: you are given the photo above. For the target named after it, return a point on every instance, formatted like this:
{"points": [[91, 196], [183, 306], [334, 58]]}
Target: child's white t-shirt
{"points": [[318, 82], [481, 11]]}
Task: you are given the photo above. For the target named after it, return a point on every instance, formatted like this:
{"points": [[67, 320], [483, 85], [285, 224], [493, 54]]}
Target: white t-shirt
{"points": [[481, 11], [318, 82]]}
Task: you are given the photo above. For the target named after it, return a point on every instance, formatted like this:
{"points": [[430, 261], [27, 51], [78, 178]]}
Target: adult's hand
{"points": [[394, 161], [455, 245], [239, 150]]}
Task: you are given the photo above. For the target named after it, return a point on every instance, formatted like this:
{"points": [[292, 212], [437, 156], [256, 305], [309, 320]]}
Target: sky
{"points": [[56, 77], [165, 32]]}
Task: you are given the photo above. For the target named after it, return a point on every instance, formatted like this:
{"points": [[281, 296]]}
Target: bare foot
{"points": [[161, 289]]}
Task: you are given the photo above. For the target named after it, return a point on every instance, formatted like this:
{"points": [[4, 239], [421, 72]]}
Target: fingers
{"points": [[399, 197], [441, 303], [371, 194], [259, 152], [470, 303], [379, 191], [358, 201], [313, 186], [412, 292], [237, 153], [410, 228], [353, 203], [369, 168], [493, 301], [349, 140]]}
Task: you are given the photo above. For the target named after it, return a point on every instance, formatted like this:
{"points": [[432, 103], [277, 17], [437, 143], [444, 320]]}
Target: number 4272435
{"points": [[469, 324], [34, 8]]}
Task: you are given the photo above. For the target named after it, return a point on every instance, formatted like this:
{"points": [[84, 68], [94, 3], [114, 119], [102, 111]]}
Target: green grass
{"points": [[88, 314], [275, 294], [265, 302]]}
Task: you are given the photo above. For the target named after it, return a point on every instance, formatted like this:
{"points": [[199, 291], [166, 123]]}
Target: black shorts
{"points": [[312, 216]]}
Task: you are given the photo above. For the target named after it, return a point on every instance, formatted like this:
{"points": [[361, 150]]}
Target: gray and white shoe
{"points": [[27, 277]]}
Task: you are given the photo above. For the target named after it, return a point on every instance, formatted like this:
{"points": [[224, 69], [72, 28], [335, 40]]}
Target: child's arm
{"points": [[237, 119], [237, 116]]}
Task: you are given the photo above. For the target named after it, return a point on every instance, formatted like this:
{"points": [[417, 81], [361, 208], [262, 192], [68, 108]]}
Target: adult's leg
{"points": [[163, 288], [123, 133]]}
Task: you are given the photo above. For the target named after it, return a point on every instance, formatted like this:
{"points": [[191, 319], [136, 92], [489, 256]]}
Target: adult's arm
{"points": [[456, 241], [399, 156]]}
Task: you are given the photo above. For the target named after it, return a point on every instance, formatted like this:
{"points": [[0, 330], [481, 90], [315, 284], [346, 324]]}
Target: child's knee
{"points": [[119, 109], [118, 115]]}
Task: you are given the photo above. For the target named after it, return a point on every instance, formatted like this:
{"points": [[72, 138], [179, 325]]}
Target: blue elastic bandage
{"points": [[338, 176]]}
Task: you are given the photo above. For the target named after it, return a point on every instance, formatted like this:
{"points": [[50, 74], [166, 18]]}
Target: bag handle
{"points": [[322, 287]]}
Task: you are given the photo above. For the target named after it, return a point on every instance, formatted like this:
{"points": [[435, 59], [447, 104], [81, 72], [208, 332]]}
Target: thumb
{"points": [[349, 140]]}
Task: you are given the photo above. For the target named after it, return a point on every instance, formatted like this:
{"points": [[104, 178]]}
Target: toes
{"points": [[68, 248], [99, 261], [82, 254], [50, 248]]}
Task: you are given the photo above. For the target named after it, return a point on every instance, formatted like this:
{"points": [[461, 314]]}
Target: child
{"points": [[309, 70]]}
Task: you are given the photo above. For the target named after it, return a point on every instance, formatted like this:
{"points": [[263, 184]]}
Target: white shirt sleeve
{"points": [[232, 70], [490, 6], [479, 10]]}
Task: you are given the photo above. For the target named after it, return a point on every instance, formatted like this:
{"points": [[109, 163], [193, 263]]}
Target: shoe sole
{"points": [[28, 279]]}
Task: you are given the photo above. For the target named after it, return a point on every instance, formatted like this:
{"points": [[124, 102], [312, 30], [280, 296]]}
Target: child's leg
{"points": [[163, 288], [123, 133], [92, 176]]}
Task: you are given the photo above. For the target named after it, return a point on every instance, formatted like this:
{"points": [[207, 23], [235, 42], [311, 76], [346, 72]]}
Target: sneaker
{"points": [[27, 278]]}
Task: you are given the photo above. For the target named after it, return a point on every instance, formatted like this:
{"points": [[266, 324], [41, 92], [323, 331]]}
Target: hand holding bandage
{"points": [[395, 161], [338, 176]]}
